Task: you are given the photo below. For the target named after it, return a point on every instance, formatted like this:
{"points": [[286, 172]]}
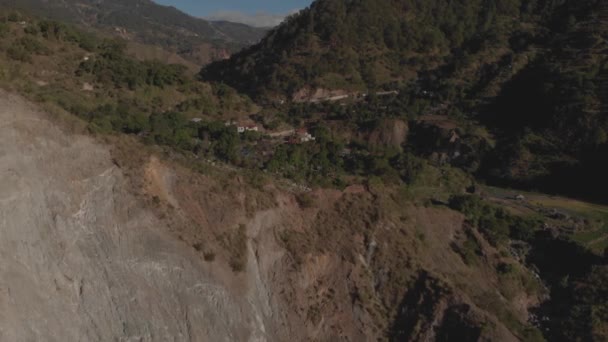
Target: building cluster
{"points": [[243, 126], [292, 136], [301, 136]]}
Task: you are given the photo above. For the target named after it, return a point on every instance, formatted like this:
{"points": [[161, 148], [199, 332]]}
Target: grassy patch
{"points": [[513, 278], [594, 236], [496, 224], [525, 332], [596, 239], [235, 242], [470, 250], [305, 200], [296, 243]]}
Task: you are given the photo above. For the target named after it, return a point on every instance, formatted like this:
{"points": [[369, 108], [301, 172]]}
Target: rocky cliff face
{"points": [[83, 259], [107, 242]]}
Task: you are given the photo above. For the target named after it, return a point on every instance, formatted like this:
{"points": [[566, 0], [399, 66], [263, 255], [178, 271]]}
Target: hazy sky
{"points": [[253, 12], [202, 8]]}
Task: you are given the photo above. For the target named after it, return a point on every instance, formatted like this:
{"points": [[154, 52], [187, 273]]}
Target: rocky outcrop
{"points": [[390, 133], [83, 259]]}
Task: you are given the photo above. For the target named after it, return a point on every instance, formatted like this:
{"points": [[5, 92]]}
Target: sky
{"points": [[252, 12]]}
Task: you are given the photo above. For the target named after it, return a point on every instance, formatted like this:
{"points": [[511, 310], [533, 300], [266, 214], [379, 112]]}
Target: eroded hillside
{"points": [[102, 242], [84, 259]]}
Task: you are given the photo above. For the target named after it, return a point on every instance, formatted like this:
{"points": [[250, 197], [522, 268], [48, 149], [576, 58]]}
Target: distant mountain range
{"points": [[196, 40], [267, 20]]}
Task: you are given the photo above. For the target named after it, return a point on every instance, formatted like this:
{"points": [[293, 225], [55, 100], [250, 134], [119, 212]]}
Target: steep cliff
{"points": [[102, 242], [83, 259]]}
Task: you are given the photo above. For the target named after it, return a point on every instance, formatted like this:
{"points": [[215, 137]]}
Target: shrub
{"points": [[14, 17], [305, 200], [33, 30], [504, 268], [495, 223], [4, 30], [33, 45], [236, 243], [18, 53], [209, 256]]}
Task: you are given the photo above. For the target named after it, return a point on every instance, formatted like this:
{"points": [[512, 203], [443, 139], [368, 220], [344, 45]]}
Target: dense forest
{"points": [[365, 44]]}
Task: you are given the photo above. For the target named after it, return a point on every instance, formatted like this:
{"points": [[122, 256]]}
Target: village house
{"points": [[302, 136], [243, 125]]}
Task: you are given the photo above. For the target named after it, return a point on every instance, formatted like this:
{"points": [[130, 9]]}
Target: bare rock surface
{"points": [[389, 133], [82, 260]]}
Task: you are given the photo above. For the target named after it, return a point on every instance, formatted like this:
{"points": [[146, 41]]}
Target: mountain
{"points": [[362, 44], [376, 230], [129, 239], [551, 115], [144, 21], [355, 45], [532, 73], [247, 35]]}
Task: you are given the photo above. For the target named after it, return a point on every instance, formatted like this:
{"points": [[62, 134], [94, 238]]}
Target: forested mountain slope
{"points": [[533, 73], [195, 39], [551, 117], [362, 44]]}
